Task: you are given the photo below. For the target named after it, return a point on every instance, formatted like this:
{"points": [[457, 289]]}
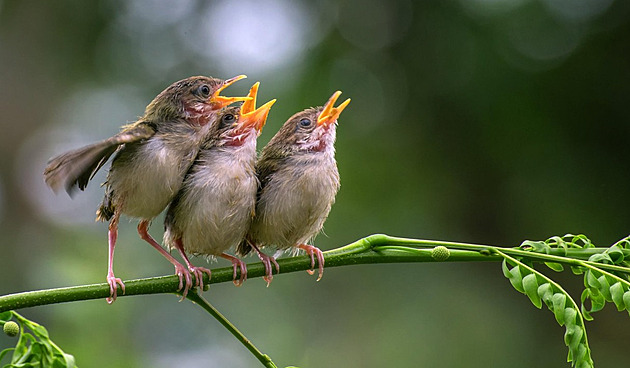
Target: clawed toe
{"points": [[313, 252], [236, 264], [198, 272], [114, 282]]}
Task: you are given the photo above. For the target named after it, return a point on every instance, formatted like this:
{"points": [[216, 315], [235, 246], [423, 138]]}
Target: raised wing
{"points": [[76, 168]]}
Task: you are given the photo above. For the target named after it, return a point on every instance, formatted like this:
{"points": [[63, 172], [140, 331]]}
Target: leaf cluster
{"points": [[34, 348], [606, 279], [541, 289]]}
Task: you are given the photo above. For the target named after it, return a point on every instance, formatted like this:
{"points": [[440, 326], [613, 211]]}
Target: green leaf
{"points": [[590, 280], [604, 287], [573, 337], [536, 246], [601, 258], [38, 330], [69, 360], [616, 293], [555, 266], [597, 302], [580, 241], [514, 275], [545, 291], [530, 284], [577, 270], [616, 254], [22, 348], [559, 302], [626, 300], [570, 316], [556, 241]]}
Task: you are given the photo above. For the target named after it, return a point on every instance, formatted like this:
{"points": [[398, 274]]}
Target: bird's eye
{"points": [[228, 119], [305, 123], [204, 90]]}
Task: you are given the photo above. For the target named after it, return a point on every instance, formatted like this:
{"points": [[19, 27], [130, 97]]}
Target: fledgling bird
{"points": [[151, 157], [298, 183], [213, 210]]}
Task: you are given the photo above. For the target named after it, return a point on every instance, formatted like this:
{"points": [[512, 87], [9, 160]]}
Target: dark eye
{"points": [[204, 90], [305, 122], [228, 119]]}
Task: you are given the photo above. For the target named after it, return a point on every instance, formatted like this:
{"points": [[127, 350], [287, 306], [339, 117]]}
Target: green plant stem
{"points": [[570, 256], [196, 298], [372, 249]]}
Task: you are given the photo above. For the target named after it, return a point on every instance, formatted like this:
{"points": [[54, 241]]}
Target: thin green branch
{"points": [[196, 298], [571, 256], [372, 249]]}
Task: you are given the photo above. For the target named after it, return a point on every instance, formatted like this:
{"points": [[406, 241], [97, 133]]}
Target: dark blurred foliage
{"points": [[485, 121]]}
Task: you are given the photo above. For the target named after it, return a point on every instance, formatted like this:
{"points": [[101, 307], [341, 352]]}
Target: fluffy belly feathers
{"points": [[216, 205], [294, 205]]}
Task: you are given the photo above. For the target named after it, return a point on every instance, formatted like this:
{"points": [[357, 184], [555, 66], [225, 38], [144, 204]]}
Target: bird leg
{"points": [[236, 263], [180, 270], [197, 271], [112, 280], [314, 251], [267, 261]]}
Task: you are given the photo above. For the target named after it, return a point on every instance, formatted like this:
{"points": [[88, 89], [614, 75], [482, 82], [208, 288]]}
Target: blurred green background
{"points": [[486, 121]]}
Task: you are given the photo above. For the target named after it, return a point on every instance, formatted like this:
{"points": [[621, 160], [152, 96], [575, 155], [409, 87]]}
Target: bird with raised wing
{"points": [[151, 158]]}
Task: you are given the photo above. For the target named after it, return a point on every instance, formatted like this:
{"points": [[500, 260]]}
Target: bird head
{"points": [[312, 129], [194, 99], [237, 124]]}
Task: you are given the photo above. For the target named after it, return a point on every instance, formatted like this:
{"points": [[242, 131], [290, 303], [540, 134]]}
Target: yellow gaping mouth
{"points": [[252, 116], [330, 114], [218, 102]]}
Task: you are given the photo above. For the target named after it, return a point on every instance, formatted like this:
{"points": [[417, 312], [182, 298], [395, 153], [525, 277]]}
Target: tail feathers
{"points": [[76, 168], [106, 211]]}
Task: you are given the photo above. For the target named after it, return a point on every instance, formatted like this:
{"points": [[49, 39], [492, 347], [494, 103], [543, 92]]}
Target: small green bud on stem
{"points": [[11, 328], [440, 253]]}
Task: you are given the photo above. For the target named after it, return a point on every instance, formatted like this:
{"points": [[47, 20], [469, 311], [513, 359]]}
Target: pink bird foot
{"points": [[267, 261], [114, 282], [198, 272], [236, 263], [185, 279], [314, 252]]}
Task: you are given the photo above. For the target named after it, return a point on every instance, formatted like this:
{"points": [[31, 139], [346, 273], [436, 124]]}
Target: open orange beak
{"points": [[252, 116], [219, 102], [330, 114]]}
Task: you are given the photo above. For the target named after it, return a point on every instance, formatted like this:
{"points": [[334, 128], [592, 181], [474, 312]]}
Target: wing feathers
{"points": [[76, 168]]}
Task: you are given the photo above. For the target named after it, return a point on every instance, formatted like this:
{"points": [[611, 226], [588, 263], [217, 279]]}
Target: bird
{"points": [[213, 209], [299, 180], [151, 157]]}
